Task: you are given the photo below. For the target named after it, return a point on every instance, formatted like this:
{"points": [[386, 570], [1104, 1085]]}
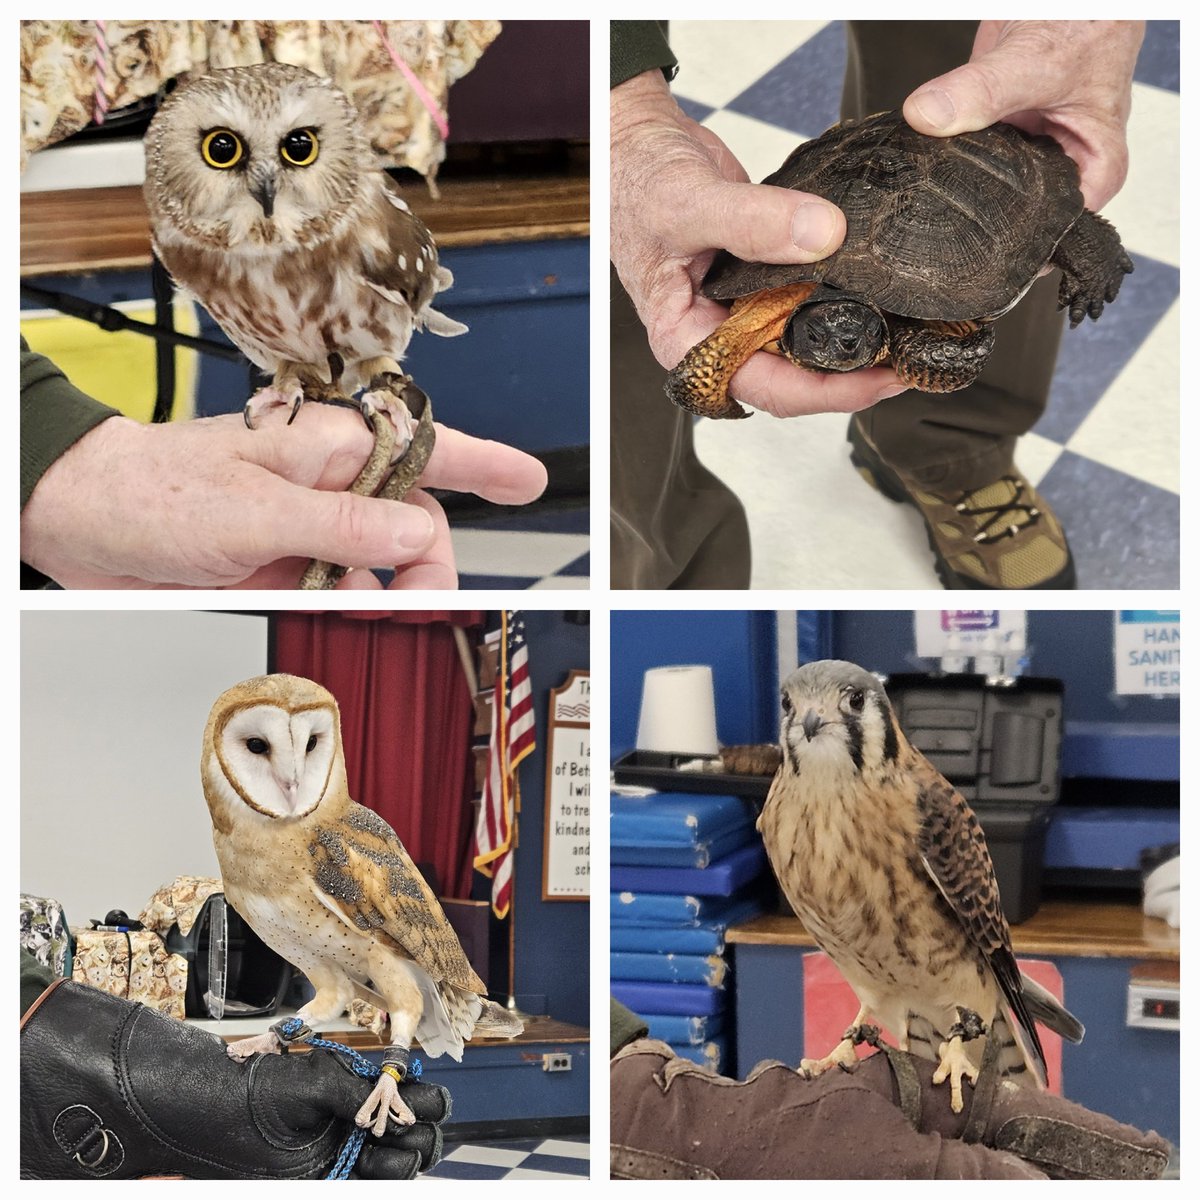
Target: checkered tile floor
{"points": [[1106, 453], [537, 551], [525, 1158]]}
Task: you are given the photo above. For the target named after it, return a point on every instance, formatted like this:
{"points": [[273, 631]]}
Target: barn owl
{"points": [[887, 867], [327, 884], [266, 204]]}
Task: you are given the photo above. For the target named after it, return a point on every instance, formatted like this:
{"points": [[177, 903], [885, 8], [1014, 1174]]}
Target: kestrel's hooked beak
{"points": [[811, 724]]}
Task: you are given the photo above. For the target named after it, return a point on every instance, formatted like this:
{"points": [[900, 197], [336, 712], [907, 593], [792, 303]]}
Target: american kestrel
{"points": [[887, 867]]}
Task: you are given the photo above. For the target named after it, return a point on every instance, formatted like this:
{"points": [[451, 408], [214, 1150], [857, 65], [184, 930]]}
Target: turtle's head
{"points": [[833, 332]]}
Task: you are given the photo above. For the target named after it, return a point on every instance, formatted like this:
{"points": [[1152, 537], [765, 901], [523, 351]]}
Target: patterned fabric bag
{"points": [[134, 966], [45, 934]]}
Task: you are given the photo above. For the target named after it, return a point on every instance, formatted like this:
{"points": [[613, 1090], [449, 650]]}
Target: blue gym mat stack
{"points": [[684, 868]]}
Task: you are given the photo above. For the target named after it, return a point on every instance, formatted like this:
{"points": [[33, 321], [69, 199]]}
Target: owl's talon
{"points": [[383, 1102], [272, 397], [262, 1043]]}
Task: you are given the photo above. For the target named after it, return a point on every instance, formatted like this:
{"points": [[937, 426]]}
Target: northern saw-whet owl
{"points": [[887, 867], [327, 884], [265, 203]]}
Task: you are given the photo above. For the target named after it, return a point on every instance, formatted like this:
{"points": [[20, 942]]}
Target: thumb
{"points": [[282, 520], [760, 223], [1006, 80]]}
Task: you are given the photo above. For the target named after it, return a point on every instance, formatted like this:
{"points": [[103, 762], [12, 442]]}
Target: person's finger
{"points": [[757, 222], [435, 568], [779, 387], [359, 580], [280, 519], [491, 470], [1009, 79]]}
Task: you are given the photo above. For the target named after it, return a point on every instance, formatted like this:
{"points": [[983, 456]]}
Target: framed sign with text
{"points": [[566, 849]]}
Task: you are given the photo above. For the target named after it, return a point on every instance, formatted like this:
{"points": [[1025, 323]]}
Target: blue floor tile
{"points": [[575, 520], [1158, 60], [556, 1162], [580, 566], [480, 582], [1123, 533], [468, 1170], [804, 92], [1092, 356], [694, 108]]}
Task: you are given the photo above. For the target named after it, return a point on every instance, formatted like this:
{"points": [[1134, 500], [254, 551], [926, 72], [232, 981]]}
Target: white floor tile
{"points": [[500, 552], [1135, 425], [1035, 456], [814, 522], [565, 1149], [487, 1156], [718, 60], [1146, 210], [566, 583], [759, 147], [526, 1173]]}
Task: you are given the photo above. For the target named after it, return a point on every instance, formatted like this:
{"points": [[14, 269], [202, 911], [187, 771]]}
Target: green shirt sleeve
{"points": [[54, 416], [637, 46], [623, 1026], [35, 979]]}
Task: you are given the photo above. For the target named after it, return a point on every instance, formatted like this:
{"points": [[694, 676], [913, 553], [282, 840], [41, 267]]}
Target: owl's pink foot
{"points": [[263, 1043], [268, 398], [384, 401], [384, 1103]]}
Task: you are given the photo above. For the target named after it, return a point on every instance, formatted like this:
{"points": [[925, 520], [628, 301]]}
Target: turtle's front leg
{"points": [[700, 382], [1094, 265], [939, 356]]}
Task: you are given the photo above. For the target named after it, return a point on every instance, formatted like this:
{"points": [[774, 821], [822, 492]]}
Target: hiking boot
{"points": [[1001, 535]]}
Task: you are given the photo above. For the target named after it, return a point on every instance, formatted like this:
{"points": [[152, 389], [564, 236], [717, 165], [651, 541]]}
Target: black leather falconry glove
{"points": [[113, 1090]]}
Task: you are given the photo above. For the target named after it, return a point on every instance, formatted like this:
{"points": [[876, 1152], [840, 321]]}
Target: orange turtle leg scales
{"points": [[700, 383]]}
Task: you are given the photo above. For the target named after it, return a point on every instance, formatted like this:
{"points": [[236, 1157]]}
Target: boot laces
{"points": [[996, 513]]}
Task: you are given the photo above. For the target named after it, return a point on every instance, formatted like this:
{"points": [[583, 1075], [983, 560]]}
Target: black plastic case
{"points": [[1001, 746]]}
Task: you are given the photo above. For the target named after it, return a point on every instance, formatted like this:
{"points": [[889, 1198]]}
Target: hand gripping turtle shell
{"points": [[943, 235]]}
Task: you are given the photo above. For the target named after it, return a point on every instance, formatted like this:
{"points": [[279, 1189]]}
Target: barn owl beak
{"points": [[811, 724]]}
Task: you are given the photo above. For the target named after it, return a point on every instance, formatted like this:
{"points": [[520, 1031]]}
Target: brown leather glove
{"points": [[884, 1119]]}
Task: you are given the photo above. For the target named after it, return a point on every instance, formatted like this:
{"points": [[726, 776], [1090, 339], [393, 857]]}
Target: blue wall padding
{"points": [[1107, 838], [721, 878], [677, 999]]}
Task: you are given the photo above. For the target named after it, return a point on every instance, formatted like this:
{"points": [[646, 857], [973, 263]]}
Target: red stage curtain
{"points": [[407, 720]]}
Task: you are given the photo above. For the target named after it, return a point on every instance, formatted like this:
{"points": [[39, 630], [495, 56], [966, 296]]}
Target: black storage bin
{"points": [[256, 978], [1001, 746]]}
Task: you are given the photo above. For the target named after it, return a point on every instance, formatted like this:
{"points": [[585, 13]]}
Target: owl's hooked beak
{"points": [[263, 190], [289, 788], [811, 724]]}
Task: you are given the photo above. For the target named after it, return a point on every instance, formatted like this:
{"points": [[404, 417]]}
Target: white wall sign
{"points": [[1146, 647], [969, 632], [566, 850]]}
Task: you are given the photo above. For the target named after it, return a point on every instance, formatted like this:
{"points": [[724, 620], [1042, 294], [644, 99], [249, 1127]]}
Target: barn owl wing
{"points": [[363, 872], [955, 855]]}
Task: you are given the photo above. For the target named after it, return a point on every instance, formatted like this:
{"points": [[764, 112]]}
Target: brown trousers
{"points": [[674, 524]]}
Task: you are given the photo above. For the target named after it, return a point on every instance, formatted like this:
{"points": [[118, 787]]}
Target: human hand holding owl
{"points": [[211, 504]]}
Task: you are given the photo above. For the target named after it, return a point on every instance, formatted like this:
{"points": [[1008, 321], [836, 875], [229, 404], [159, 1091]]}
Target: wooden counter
{"points": [[107, 228], [538, 1031], [1072, 929]]}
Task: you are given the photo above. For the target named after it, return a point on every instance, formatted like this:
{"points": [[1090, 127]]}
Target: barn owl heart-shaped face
{"points": [[277, 761]]}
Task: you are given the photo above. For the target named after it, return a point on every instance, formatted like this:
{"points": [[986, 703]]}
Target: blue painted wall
{"points": [[552, 936], [740, 646], [520, 375]]}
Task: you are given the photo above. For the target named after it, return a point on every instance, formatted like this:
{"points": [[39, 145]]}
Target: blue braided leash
{"points": [[360, 1065]]}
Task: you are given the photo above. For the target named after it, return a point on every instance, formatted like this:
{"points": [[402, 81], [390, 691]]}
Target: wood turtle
{"points": [[943, 235]]}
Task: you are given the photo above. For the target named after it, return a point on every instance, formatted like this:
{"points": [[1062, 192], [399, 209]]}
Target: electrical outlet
{"points": [[556, 1062]]}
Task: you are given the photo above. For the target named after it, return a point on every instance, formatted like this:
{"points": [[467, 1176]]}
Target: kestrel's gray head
{"points": [[836, 716]]}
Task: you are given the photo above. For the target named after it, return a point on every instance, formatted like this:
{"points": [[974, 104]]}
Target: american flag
{"points": [[512, 739]]}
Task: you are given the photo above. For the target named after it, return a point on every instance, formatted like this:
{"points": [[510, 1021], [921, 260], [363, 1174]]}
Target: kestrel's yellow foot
{"points": [[265, 399], [842, 1055], [955, 1065]]}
